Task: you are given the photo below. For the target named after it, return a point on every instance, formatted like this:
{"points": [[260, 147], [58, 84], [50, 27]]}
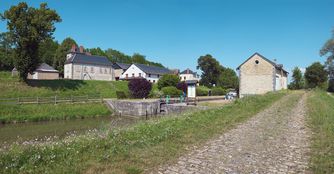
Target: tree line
{"points": [[29, 42], [317, 75]]}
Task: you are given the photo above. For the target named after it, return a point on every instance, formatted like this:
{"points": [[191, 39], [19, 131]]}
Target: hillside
{"points": [[12, 87]]}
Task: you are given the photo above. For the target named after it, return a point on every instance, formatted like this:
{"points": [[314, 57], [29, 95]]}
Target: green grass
{"points": [[11, 87], [321, 119], [43, 112], [135, 149]]}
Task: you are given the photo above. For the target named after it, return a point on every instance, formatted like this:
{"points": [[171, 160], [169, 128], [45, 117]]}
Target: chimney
{"points": [[81, 49], [187, 70], [74, 47]]}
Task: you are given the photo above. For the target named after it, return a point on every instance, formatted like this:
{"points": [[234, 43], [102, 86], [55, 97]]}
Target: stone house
{"points": [[119, 69], [80, 65], [42, 72], [259, 75], [189, 75], [150, 73]]}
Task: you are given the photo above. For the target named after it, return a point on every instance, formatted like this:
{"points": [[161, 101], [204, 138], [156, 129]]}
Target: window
{"points": [[133, 74], [257, 61], [158, 75], [126, 75], [85, 69], [149, 75], [153, 81], [105, 71], [101, 70], [139, 74], [184, 77], [92, 69], [149, 80]]}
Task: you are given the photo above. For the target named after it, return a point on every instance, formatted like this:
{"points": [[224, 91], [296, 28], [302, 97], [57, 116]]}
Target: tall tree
{"points": [[297, 79], [328, 50], [211, 70], [97, 51], [228, 79], [117, 56], [315, 75], [61, 52], [6, 52], [29, 26], [138, 58], [47, 51]]}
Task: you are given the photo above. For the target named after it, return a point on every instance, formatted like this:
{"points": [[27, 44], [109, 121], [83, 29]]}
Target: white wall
{"points": [[184, 77], [68, 71], [89, 72], [133, 69]]}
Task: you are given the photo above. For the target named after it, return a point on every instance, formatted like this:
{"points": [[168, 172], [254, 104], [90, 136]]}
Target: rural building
{"points": [[42, 72], [119, 69], [189, 75], [82, 65], [150, 73], [259, 75]]}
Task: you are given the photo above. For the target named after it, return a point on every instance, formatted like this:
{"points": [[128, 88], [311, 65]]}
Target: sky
{"points": [[177, 32]]}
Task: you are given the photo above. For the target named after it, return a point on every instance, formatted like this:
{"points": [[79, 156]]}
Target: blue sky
{"points": [[177, 32]]}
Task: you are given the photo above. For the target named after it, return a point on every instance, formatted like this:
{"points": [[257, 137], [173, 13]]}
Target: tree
{"points": [[138, 58], [28, 27], [61, 52], [97, 51], [315, 75], [228, 79], [297, 79], [168, 80], [47, 51], [139, 88], [328, 49], [6, 52], [117, 56], [211, 70]]}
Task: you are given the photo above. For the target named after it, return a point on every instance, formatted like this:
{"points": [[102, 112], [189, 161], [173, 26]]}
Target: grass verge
{"points": [[135, 149], [321, 119], [46, 112]]}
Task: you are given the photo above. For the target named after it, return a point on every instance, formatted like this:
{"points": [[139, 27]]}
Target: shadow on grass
{"points": [[57, 84]]}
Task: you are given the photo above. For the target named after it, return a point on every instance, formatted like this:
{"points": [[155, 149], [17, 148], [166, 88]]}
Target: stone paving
{"points": [[274, 141]]}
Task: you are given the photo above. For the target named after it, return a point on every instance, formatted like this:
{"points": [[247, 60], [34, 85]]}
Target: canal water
{"points": [[40, 131]]}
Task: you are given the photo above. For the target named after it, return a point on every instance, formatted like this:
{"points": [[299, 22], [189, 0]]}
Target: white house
{"points": [[189, 75], [119, 69], [42, 72], [81, 65], [150, 73]]}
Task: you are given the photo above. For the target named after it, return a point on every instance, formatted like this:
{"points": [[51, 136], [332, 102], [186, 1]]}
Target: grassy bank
{"points": [[11, 87], [132, 150], [21, 113], [321, 120]]}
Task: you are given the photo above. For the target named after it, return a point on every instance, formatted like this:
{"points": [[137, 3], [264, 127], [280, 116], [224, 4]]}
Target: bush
{"points": [[331, 85], [171, 90], [168, 80], [202, 91], [139, 88], [218, 91], [182, 86]]}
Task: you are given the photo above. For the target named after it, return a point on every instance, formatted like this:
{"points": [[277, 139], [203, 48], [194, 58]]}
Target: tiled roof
{"points": [[45, 68], [188, 71], [123, 66], [89, 59], [153, 69]]}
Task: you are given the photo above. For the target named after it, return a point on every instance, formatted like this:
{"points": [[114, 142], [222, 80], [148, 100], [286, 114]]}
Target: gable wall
{"points": [[256, 78]]}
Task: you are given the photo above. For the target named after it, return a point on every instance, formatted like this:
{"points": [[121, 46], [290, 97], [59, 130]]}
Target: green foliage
{"points": [[29, 26], [154, 141], [168, 80], [328, 50], [315, 75], [228, 79], [11, 87], [120, 95], [139, 88], [297, 79], [216, 91], [47, 112], [61, 52], [171, 90], [202, 91], [47, 51], [6, 52], [320, 111], [211, 70], [96, 51], [117, 56]]}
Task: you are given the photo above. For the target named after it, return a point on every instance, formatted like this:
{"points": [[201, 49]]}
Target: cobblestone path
{"points": [[273, 141]]}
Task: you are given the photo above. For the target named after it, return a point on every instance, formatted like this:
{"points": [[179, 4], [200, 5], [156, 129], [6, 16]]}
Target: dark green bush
{"points": [[171, 90], [218, 91], [202, 91], [168, 80], [140, 88]]}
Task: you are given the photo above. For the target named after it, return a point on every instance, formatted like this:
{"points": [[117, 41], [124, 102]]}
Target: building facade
{"points": [[259, 75], [42, 72], [119, 69], [80, 65], [150, 73], [189, 75]]}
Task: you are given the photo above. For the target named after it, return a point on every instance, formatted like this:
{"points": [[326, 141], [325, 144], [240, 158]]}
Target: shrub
{"points": [[202, 91], [171, 90], [330, 85], [182, 86], [168, 80], [139, 88], [218, 91]]}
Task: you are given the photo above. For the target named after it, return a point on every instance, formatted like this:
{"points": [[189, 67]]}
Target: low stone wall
{"points": [[134, 108]]}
